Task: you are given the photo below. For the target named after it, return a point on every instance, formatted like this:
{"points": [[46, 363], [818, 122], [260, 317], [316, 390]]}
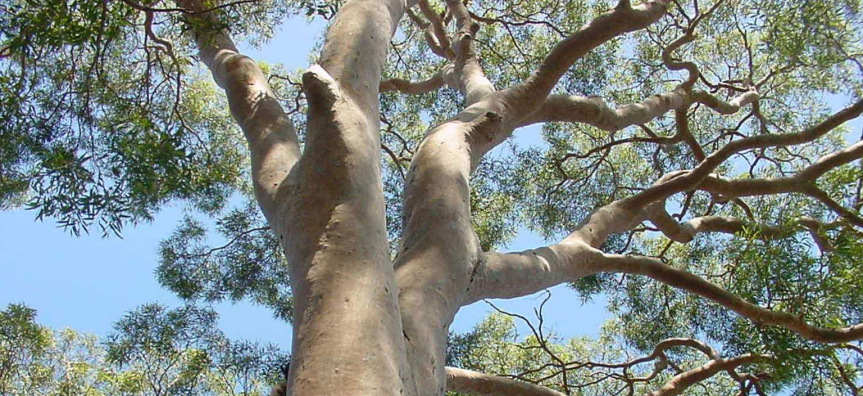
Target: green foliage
{"points": [[170, 347], [246, 367], [181, 351], [250, 263], [22, 341], [103, 123], [153, 351], [584, 366]]}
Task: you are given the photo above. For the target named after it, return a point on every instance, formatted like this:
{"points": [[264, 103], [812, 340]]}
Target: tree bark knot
{"points": [[320, 88], [485, 126]]}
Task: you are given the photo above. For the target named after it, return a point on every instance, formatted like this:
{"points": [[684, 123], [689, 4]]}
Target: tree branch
{"points": [[685, 180], [802, 182], [410, 87], [193, 10], [471, 79], [432, 40], [675, 64], [517, 274], [474, 383], [679, 383], [623, 18], [684, 232], [594, 111], [272, 140], [437, 31]]}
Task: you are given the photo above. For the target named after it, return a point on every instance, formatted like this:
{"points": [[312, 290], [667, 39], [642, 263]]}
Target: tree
{"points": [[22, 342], [690, 169], [181, 352], [153, 351]]}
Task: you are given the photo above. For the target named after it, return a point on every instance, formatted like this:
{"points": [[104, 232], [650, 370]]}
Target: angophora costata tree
{"points": [[700, 159]]}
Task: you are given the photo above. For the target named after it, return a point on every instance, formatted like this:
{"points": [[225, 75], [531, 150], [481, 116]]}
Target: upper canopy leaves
{"points": [[106, 114]]}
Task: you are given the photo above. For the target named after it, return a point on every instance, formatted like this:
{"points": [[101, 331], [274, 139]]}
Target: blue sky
{"points": [[87, 283]]}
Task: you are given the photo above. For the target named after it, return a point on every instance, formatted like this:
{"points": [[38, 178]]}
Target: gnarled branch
{"points": [[594, 111]]}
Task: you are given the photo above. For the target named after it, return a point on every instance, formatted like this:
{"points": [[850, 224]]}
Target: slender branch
{"points": [[802, 182], [685, 232], [681, 121], [685, 180], [186, 10], [489, 20], [691, 68], [395, 160], [228, 244], [831, 204], [148, 29]]}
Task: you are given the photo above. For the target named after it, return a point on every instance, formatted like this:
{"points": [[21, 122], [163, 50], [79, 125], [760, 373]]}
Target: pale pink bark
{"points": [[409, 87], [273, 143], [473, 383], [594, 111], [679, 383], [347, 323]]}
